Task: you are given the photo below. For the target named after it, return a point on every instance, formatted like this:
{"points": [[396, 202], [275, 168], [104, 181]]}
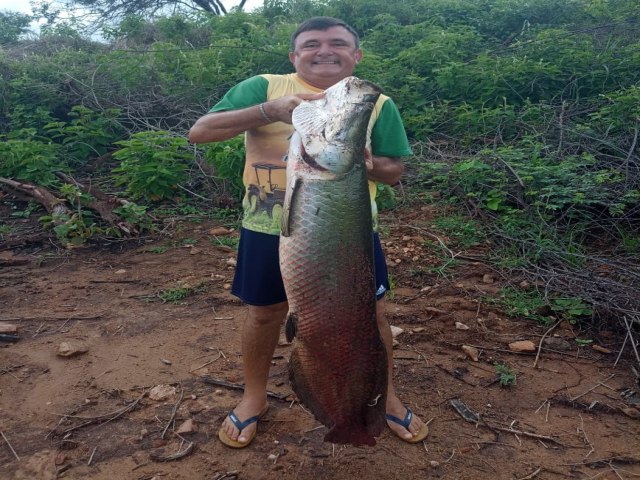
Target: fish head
{"points": [[333, 130]]}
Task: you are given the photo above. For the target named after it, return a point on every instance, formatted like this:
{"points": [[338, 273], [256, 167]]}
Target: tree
{"points": [[12, 25], [114, 9]]}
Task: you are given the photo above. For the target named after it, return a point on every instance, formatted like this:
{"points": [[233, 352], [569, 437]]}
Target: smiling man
{"points": [[324, 50]]}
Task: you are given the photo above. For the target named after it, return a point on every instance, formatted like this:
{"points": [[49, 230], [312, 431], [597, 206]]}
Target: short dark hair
{"points": [[323, 24]]}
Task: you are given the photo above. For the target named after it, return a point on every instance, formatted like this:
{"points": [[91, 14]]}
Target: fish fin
{"points": [[310, 117], [289, 196], [291, 326], [352, 434]]}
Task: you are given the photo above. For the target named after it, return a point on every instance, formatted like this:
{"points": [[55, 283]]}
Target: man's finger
{"points": [[311, 96]]}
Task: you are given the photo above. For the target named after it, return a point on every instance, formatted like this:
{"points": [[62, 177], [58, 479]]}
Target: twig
{"points": [[39, 329], [232, 475], [92, 454], [12, 450], [624, 344], [472, 417], [206, 364], [102, 419], [527, 434], [606, 461], [535, 362], [592, 388], [238, 386], [616, 472], [531, 475], [633, 343], [173, 413], [456, 376], [584, 433], [49, 319], [314, 429], [175, 456]]}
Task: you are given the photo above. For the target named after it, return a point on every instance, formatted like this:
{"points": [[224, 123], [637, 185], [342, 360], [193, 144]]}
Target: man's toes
{"points": [[230, 430]]}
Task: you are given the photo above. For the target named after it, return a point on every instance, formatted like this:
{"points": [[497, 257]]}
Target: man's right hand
{"points": [[280, 110], [219, 126]]}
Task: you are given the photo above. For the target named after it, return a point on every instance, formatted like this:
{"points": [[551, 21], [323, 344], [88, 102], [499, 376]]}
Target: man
{"points": [[324, 50]]}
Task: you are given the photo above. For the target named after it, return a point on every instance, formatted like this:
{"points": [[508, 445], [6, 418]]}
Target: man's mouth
{"points": [[326, 62]]}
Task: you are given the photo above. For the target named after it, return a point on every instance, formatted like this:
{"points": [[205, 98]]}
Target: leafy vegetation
{"points": [[506, 376], [523, 118]]}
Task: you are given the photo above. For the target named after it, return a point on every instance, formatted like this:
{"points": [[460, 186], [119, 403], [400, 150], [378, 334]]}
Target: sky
{"points": [[23, 5]]}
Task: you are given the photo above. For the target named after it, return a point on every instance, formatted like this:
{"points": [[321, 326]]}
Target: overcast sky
{"points": [[23, 5]]}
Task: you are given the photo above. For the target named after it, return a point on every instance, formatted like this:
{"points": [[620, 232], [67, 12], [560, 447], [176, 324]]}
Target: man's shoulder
{"points": [[279, 78], [382, 99], [287, 84]]}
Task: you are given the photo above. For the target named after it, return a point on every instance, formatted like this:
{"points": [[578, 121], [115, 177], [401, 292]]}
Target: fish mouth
{"points": [[309, 160]]}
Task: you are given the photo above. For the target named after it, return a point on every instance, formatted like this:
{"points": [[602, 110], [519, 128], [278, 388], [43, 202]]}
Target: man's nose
{"points": [[325, 49]]}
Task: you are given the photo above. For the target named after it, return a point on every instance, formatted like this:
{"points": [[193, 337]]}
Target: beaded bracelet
{"points": [[264, 114]]}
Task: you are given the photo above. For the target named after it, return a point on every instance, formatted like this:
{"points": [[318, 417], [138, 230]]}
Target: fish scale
{"points": [[338, 363]]}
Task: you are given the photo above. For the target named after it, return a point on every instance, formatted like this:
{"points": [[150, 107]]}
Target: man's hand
{"points": [[383, 169], [280, 110]]}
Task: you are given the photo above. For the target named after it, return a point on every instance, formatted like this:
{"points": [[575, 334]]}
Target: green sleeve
{"points": [[245, 94], [388, 137]]}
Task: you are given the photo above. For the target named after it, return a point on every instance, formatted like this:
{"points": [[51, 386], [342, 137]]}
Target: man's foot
{"points": [[407, 426], [238, 433]]}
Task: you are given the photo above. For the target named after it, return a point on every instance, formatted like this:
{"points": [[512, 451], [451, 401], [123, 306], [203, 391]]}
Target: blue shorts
{"points": [[257, 280]]}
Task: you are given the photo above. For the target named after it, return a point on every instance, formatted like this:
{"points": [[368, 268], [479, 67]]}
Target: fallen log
{"points": [[103, 204], [54, 205]]}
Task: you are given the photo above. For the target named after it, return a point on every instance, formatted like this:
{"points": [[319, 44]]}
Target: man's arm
{"points": [[219, 126], [387, 170]]}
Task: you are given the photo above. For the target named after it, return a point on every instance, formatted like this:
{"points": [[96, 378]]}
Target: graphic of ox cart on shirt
{"points": [[263, 197]]}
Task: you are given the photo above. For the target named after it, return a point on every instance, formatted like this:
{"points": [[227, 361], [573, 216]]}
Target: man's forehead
{"points": [[337, 32]]}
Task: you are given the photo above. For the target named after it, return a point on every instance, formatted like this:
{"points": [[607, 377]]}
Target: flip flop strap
{"points": [[407, 419], [242, 425]]}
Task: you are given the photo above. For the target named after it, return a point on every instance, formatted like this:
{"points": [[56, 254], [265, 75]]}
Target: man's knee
{"points": [[269, 314]]}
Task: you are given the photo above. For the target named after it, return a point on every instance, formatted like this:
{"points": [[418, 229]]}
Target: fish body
{"points": [[338, 365]]}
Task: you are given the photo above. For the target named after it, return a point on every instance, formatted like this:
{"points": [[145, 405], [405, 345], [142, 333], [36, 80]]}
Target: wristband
{"points": [[264, 114]]}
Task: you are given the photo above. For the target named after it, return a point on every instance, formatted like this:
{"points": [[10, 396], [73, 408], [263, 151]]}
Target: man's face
{"points": [[324, 57]]}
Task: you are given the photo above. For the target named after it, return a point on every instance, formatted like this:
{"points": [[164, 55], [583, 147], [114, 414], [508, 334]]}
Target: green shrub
{"points": [[228, 160], [152, 164], [32, 159]]}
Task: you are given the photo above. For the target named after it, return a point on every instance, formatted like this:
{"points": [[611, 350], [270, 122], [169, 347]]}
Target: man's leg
{"points": [[394, 405], [260, 334]]}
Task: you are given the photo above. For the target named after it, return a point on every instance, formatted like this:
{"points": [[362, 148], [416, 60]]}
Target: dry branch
{"points": [[175, 456], [101, 419], [55, 206], [103, 204], [10, 447], [237, 386]]}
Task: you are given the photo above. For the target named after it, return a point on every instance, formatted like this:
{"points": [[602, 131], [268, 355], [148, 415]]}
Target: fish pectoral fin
{"points": [[310, 117], [285, 224], [291, 327]]}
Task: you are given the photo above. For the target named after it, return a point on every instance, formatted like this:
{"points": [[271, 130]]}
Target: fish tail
{"points": [[353, 434]]}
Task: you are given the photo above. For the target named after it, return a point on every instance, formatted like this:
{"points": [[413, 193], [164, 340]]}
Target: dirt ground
{"points": [[90, 415]]}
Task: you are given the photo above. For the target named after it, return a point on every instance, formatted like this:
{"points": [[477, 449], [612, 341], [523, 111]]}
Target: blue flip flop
{"points": [[240, 425], [404, 423]]}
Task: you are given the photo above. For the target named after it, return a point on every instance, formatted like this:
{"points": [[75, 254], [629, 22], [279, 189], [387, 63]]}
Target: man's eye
{"points": [[308, 46]]}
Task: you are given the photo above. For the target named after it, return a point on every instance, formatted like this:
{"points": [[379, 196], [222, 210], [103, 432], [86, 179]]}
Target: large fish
{"points": [[338, 365]]}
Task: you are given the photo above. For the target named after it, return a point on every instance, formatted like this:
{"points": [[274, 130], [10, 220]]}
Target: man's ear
{"points": [[292, 57], [358, 55]]}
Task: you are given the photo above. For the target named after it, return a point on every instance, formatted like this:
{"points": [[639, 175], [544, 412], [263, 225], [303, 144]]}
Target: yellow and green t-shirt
{"points": [[265, 168]]}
